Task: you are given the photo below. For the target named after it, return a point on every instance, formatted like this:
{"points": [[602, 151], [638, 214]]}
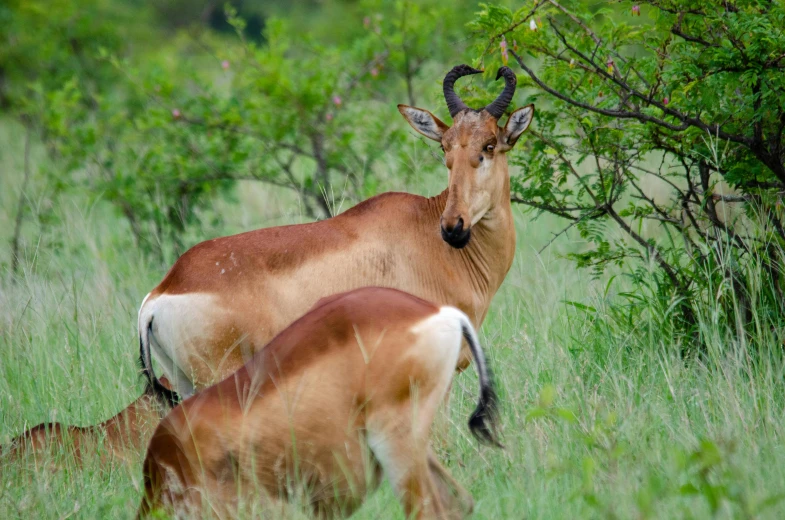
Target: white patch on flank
{"points": [[380, 446], [437, 347], [147, 311], [478, 357], [443, 329], [139, 314], [444, 326], [182, 323]]}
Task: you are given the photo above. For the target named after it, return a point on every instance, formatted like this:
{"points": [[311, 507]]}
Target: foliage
{"points": [[572, 391], [413, 35], [46, 43], [708, 472], [630, 432], [648, 114], [159, 132]]}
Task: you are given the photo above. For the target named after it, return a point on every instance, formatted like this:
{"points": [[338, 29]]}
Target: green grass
{"points": [[597, 421]]}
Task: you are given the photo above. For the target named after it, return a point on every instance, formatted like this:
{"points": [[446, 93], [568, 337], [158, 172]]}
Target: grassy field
{"points": [[597, 421]]}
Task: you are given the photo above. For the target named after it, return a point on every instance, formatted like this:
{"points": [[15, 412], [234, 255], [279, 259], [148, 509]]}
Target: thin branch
{"points": [[567, 228], [544, 207], [652, 250], [566, 162], [514, 25], [677, 30], [686, 121], [579, 22], [611, 113]]}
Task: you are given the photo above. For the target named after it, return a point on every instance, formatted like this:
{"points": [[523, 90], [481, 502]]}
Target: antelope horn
{"points": [[497, 108], [454, 103]]}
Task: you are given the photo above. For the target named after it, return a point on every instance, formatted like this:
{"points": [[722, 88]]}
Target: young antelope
{"points": [[343, 395]]}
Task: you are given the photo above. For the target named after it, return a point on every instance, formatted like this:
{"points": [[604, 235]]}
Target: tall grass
{"points": [[600, 418]]}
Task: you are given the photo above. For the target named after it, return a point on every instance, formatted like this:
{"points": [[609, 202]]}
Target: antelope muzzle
{"points": [[456, 233]]}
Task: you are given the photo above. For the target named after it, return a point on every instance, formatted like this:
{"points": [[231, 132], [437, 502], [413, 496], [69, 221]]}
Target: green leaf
{"points": [[547, 396], [580, 306]]}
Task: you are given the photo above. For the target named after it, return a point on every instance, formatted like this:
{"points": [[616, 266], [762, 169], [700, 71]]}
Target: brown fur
{"points": [[238, 292], [348, 390], [121, 437]]}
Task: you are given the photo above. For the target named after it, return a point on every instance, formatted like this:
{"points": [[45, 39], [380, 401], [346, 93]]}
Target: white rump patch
{"points": [[183, 325], [440, 337]]}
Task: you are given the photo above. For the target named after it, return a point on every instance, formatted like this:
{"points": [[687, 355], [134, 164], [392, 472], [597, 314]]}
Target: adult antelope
{"points": [[347, 392], [225, 298]]}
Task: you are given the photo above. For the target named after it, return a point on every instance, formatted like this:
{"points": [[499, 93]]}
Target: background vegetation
{"points": [[649, 384]]}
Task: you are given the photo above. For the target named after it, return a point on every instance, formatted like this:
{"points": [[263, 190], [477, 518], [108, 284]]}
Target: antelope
{"points": [[121, 436], [225, 298], [344, 395]]}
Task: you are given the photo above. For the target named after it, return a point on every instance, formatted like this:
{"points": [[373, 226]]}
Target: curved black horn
{"points": [[454, 103], [497, 108]]}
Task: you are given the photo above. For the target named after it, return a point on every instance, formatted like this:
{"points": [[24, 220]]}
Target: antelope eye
{"points": [[488, 148], [442, 147]]}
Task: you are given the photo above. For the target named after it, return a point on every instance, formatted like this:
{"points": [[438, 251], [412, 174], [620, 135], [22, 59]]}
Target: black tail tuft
{"points": [[485, 417], [482, 422]]}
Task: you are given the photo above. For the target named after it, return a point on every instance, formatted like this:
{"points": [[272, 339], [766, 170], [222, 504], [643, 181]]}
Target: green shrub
{"points": [[648, 114], [158, 129]]}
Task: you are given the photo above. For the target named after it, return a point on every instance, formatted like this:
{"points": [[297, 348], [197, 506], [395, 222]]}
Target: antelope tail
{"points": [[154, 387], [484, 419]]}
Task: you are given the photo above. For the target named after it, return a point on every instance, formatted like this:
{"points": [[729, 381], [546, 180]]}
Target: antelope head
{"points": [[475, 148]]}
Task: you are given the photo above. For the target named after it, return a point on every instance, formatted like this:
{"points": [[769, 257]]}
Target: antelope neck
{"points": [[485, 261]]}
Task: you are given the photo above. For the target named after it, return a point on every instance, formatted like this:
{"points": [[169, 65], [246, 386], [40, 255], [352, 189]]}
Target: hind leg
{"points": [[399, 437], [425, 488], [400, 420], [454, 497], [406, 466]]}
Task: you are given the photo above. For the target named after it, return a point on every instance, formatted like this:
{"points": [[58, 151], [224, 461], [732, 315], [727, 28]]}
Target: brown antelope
{"points": [[121, 437], [227, 297], [346, 393]]}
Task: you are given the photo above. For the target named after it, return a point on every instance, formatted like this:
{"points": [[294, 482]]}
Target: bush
{"points": [[667, 97], [159, 130]]}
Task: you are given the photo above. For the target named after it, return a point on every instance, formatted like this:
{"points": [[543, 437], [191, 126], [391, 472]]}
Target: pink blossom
{"points": [[367, 21], [665, 101], [176, 113], [636, 10], [515, 45], [374, 72], [329, 116], [503, 46], [609, 64], [337, 100], [225, 64]]}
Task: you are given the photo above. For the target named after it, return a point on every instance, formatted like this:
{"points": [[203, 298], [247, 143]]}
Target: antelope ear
{"points": [[519, 121], [424, 122]]}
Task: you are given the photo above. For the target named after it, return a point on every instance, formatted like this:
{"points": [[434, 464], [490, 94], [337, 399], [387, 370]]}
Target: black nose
{"points": [[456, 236]]}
